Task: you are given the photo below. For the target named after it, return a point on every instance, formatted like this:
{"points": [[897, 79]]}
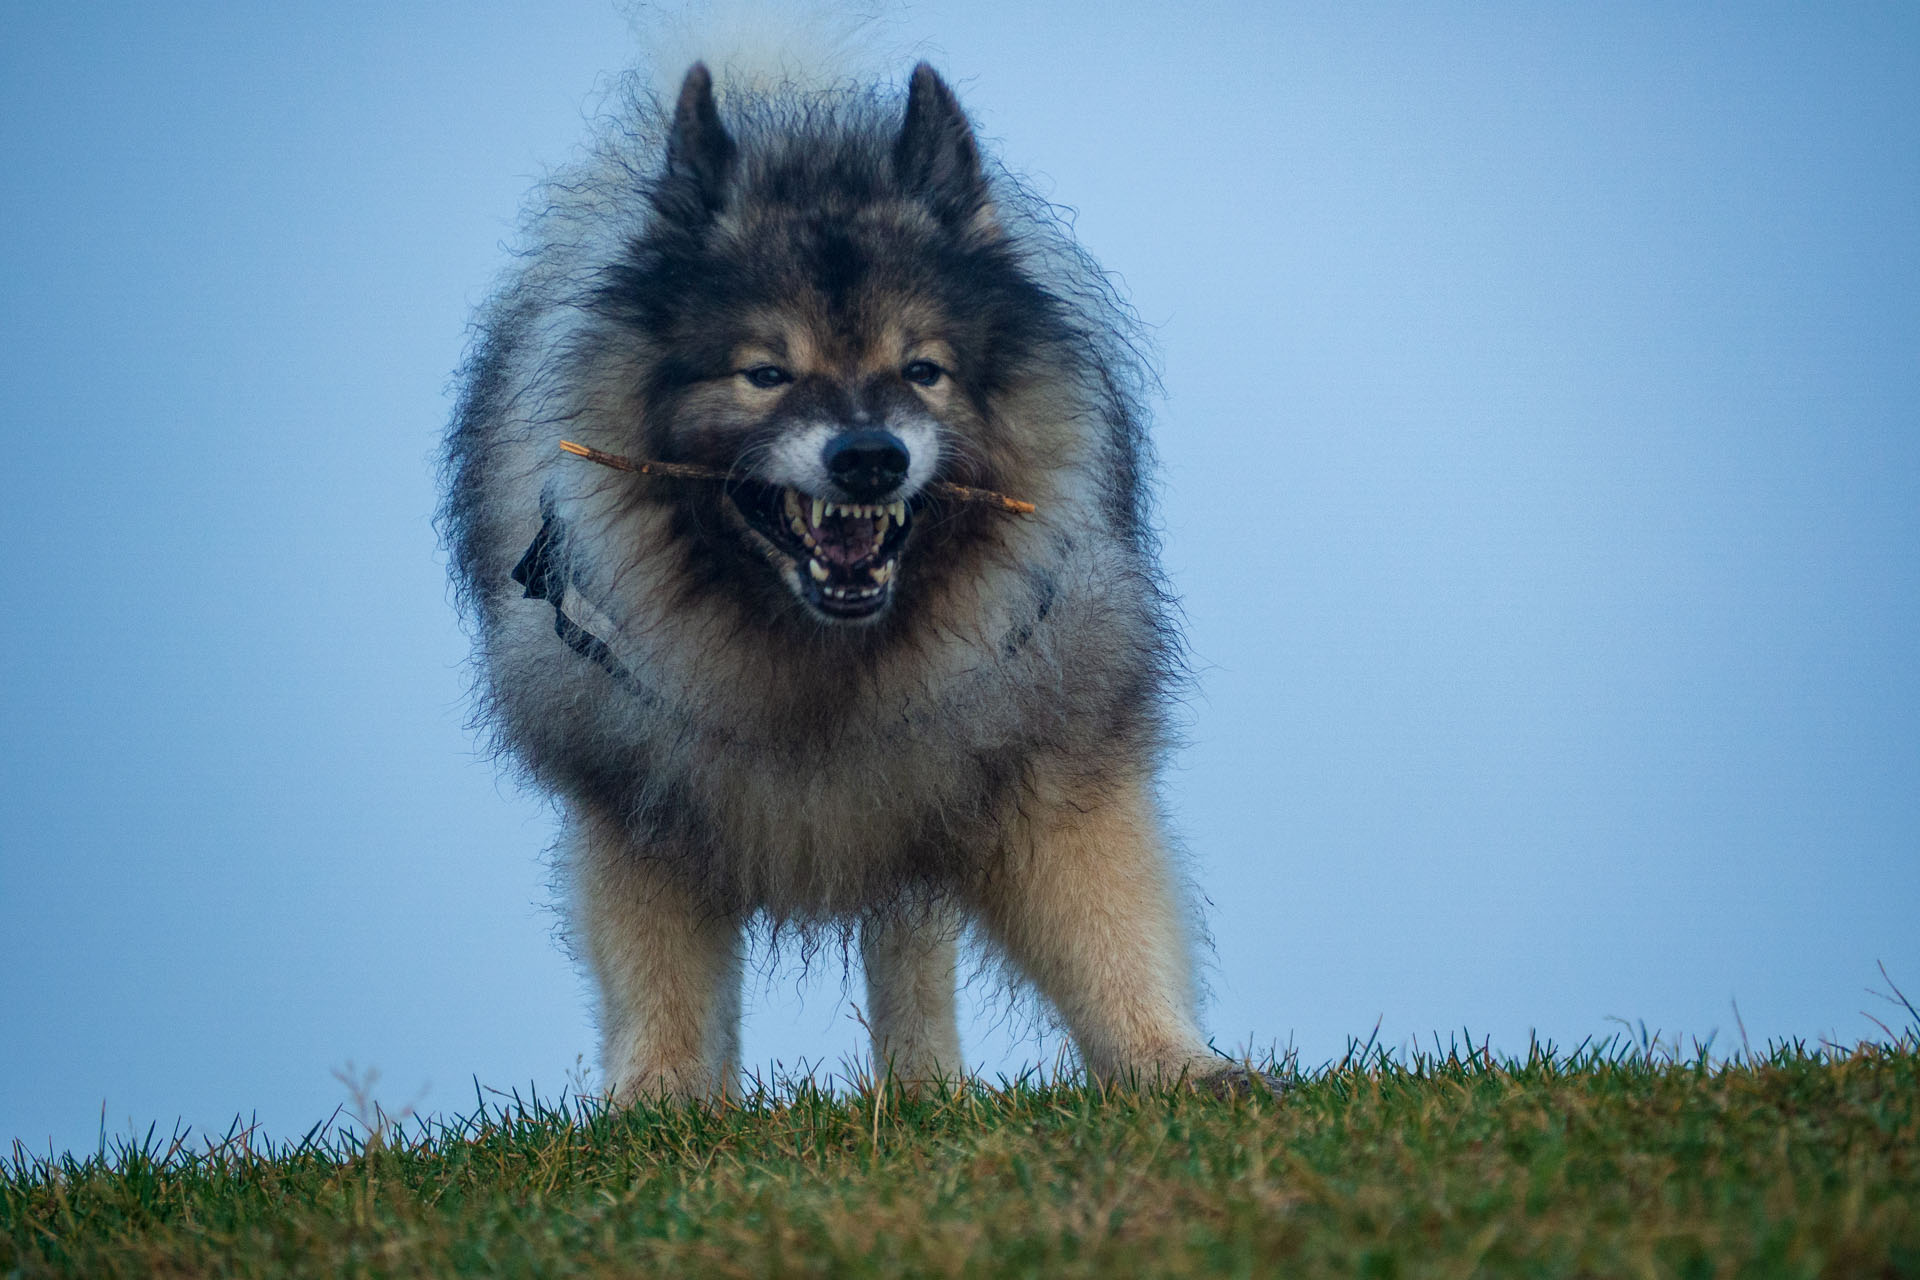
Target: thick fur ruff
{"points": [[730, 280]]}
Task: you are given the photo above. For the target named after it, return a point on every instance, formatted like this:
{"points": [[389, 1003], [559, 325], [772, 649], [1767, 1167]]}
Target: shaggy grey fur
{"points": [[780, 763]]}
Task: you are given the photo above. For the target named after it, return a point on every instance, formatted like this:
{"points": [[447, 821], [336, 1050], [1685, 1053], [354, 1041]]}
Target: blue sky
{"points": [[1542, 481]]}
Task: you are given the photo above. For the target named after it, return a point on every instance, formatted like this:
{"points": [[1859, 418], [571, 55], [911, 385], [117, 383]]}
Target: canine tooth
{"points": [[819, 511], [899, 511], [818, 570], [880, 573], [880, 530], [793, 504]]}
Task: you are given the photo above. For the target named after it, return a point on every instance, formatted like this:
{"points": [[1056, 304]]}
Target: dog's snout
{"points": [[868, 463]]}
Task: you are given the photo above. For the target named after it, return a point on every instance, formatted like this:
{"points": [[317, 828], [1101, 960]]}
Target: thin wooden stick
{"points": [[671, 470], [961, 493], [693, 471]]}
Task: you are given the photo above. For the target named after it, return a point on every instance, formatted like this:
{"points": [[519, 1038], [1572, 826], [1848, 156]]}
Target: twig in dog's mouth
{"points": [[691, 471]]}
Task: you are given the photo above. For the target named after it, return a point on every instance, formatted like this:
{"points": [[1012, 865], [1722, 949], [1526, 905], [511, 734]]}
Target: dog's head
{"points": [[830, 311]]}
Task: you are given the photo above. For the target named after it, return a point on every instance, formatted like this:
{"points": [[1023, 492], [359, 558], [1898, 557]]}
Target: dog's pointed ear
{"points": [[700, 152], [936, 156]]}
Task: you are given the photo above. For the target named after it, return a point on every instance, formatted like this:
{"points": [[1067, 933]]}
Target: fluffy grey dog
{"points": [[825, 690]]}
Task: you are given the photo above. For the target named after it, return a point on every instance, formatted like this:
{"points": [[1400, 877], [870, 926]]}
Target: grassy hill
{"points": [[1609, 1161]]}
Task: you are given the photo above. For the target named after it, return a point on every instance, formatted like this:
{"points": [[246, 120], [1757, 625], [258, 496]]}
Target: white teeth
{"points": [[881, 573], [853, 510], [880, 529], [799, 506], [818, 570]]}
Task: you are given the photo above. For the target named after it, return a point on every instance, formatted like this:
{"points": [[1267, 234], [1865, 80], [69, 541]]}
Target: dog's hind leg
{"points": [[909, 957], [1084, 904], [667, 967]]}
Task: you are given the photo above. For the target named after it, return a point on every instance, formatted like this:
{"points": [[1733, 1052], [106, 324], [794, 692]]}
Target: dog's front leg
{"points": [[1084, 904], [909, 957], [667, 966]]}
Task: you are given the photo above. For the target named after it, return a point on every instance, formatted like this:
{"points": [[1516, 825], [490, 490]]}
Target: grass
{"points": [[1614, 1160]]}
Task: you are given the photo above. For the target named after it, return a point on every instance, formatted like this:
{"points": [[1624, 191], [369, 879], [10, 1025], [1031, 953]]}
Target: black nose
{"points": [[868, 464]]}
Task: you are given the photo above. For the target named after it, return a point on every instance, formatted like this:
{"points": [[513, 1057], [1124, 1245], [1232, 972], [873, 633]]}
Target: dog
{"points": [[824, 690]]}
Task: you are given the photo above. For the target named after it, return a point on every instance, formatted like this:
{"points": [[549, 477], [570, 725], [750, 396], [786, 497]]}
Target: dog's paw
{"points": [[1242, 1081]]}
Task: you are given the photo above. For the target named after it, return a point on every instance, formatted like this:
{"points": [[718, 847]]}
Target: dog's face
{"points": [[834, 325], [846, 443]]}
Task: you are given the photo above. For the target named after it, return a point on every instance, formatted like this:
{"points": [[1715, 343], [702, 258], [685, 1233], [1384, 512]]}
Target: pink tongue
{"points": [[844, 541]]}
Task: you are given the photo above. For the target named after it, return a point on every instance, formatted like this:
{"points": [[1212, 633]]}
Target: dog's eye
{"points": [[924, 372], [766, 375]]}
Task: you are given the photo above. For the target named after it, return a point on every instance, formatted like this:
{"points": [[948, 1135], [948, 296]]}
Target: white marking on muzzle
{"points": [[796, 458]]}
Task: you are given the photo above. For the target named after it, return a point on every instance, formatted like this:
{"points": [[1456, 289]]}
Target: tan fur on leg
{"points": [[1084, 905], [910, 961], [667, 968]]}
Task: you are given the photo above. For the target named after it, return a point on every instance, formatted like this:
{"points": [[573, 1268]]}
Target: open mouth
{"points": [[845, 554]]}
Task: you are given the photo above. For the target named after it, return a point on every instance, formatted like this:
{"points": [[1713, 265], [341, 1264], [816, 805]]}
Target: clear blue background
{"points": [[1542, 477]]}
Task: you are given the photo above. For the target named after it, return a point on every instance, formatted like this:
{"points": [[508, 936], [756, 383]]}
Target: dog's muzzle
{"points": [[867, 465], [841, 558]]}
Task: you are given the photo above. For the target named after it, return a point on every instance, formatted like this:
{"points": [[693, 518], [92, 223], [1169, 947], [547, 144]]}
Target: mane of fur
{"points": [[1056, 642]]}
